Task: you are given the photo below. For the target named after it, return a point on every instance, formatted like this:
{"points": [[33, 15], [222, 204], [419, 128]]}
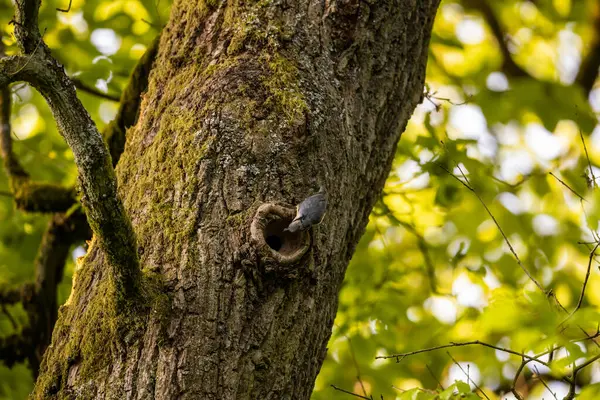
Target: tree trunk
{"points": [[250, 107]]}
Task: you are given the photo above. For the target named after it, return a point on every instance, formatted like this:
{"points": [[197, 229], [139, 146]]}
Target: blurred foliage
{"points": [[433, 267], [99, 43]]}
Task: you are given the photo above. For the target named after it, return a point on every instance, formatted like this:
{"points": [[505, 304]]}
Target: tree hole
{"points": [[268, 229], [278, 239]]}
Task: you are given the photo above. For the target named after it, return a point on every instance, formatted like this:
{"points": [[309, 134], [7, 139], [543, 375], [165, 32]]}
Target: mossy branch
{"points": [[28, 195], [13, 295], [105, 211], [14, 349], [39, 298]]}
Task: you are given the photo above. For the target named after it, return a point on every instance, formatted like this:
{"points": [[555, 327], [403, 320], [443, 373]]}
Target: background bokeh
{"points": [[499, 141]]}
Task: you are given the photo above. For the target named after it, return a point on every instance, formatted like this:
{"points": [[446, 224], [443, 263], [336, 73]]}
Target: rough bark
{"points": [[250, 106]]}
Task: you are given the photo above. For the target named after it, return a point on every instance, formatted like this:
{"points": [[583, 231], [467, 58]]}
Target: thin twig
{"points": [[30, 56], [512, 250], [351, 393], [538, 376], [90, 90], [67, 9], [401, 356], [356, 365], [587, 276], [10, 317], [513, 388], [434, 377], [468, 377], [568, 187], [594, 184]]}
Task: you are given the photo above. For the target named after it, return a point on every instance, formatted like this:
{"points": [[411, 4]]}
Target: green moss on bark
{"points": [[105, 326]]}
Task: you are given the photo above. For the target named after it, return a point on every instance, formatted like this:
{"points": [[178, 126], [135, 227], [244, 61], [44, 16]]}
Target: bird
{"points": [[309, 212]]}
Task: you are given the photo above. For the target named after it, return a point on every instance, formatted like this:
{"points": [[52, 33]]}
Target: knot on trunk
{"points": [[268, 234]]}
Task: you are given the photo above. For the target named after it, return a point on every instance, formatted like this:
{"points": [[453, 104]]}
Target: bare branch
{"points": [[90, 90], [585, 281], [593, 183], [509, 66], [66, 10], [568, 187], [539, 377], [14, 349], [588, 72], [401, 356], [468, 377], [512, 250], [114, 133], [356, 366], [434, 377], [12, 295], [351, 393]]}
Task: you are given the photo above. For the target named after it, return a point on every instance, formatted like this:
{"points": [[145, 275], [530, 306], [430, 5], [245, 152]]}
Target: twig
{"points": [[85, 88], [401, 356], [538, 376], [351, 393], [513, 388], [573, 381], [594, 184], [587, 276], [10, 317], [356, 365], [568, 187], [585, 281], [588, 72], [510, 67], [468, 377], [420, 243], [512, 250], [434, 377], [67, 9]]}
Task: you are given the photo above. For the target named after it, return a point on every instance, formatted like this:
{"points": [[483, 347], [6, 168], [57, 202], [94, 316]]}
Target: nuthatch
{"points": [[310, 212]]}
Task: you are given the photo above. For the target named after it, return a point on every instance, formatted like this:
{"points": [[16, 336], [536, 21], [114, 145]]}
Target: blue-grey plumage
{"points": [[309, 212]]}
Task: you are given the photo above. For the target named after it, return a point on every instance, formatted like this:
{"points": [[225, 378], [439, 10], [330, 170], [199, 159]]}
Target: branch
{"points": [[573, 383], [512, 250], [62, 232], [114, 133], [588, 71], [467, 375], [351, 393], [97, 179], [40, 298], [567, 186], [13, 295], [400, 356], [79, 84], [509, 66], [14, 349], [28, 195], [585, 281]]}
